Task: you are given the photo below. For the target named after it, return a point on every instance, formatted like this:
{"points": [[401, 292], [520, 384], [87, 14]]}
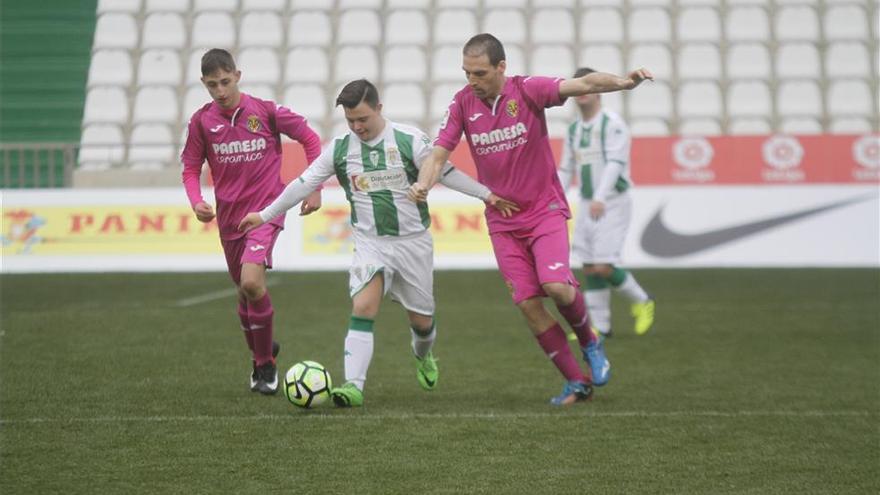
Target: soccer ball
{"points": [[307, 384]]}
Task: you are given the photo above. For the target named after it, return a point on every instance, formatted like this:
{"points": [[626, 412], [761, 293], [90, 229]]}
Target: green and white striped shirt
{"points": [[376, 176], [597, 151]]}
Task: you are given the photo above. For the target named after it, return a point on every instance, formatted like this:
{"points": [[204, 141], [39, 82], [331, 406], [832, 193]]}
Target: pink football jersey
{"points": [[510, 147], [244, 153]]}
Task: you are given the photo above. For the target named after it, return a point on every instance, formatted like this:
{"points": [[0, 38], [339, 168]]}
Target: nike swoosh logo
{"points": [[659, 240], [428, 381]]}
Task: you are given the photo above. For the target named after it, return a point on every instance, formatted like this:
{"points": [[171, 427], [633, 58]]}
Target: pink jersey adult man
{"points": [[239, 136], [504, 124]]}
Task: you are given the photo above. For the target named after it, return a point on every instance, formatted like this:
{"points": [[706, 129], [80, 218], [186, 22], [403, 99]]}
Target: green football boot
{"points": [[427, 372], [644, 315], [348, 395]]}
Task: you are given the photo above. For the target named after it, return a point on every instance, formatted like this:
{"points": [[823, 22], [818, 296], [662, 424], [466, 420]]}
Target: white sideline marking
{"points": [[217, 294], [317, 415]]}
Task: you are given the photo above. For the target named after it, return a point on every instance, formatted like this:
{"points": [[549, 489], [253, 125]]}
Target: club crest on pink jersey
{"points": [[512, 108], [253, 123]]}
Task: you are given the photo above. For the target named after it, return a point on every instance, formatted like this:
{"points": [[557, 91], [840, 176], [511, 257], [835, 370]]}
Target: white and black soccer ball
{"points": [[307, 384]]}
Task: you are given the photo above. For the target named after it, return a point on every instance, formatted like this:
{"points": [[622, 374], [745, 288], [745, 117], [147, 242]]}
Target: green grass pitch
{"points": [[753, 381]]}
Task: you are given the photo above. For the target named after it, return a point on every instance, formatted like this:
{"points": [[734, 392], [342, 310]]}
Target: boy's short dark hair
{"points": [[216, 59], [355, 92]]}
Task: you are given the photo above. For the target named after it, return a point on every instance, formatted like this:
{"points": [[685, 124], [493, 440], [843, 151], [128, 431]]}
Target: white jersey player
{"points": [[375, 164], [596, 156]]}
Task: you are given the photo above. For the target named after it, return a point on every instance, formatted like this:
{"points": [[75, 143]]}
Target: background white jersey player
{"points": [[595, 156], [375, 164]]}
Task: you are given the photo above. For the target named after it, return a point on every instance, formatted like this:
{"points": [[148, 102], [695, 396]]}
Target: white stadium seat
{"points": [[800, 125], [309, 28], [699, 127], [100, 147], [699, 99], [308, 100], [797, 60], [359, 4], [454, 26], [613, 101], [850, 125], [167, 6], [748, 61], [155, 104], [307, 64], [699, 61], [649, 127], [698, 24], [654, 56], [847, 59], [442, 4], [159, 66], [649, 24], [747, 24], [406, 27], [213, 29], [297, 5], [115, 30], [130, 6], [441, 96], [110, 67], [213, 5], [359, 26], [105, 104], [604, 58], [797, 23], [599, 25], [505, 3], [420, 4], [151, 147], [404, 63], [749, 98], [850, 98], [164, 30], [404, 103], [259, 65], [552, 26], [751, 126], [516, 61], [845, 22], [446, 63], [799, 98], [507, 25], [193, 72], [260, 29], [253, 5], [355, 62], [651, 100], [196, 97], [552, 61], [261, 91]]}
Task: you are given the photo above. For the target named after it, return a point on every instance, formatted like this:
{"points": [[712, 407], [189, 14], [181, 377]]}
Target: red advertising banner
{"points": [[719, 160]]}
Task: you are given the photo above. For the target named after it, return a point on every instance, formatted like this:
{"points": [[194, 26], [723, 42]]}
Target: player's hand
{"points": [[311, 204], [251, 221], [417, 193], [204, 212], [637, 77], [506, 207], [597, 209]]}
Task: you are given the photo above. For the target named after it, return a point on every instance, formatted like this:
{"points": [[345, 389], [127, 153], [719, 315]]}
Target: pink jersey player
{"points": [[503, 121], [239, 136]]}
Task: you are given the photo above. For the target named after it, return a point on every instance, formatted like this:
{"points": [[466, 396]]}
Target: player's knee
{"points": [[252, 289], [560, 293]]}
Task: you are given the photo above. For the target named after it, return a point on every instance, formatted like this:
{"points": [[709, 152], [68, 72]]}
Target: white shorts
{"points": [[601, 241], [406, 264]]}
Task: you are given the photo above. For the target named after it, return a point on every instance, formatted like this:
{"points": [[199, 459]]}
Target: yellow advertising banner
{"points": [[105, 229], [457, 229]]}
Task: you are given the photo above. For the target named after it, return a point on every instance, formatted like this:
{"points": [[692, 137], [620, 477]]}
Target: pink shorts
{"points": [[531, 257], [253, 247]]}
